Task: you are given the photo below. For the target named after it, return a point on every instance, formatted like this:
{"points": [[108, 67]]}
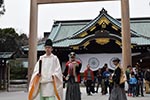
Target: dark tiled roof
{"points": [[6, 54]]}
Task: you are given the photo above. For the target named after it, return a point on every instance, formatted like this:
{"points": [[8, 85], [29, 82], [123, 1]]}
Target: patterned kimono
{"points": [[72, 72], [50, 67]]}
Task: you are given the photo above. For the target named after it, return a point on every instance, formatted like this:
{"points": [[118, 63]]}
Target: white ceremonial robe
{"points": [[50, 66]]}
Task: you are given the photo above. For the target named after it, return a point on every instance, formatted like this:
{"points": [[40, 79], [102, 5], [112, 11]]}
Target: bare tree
{"points": [[2, 7]]}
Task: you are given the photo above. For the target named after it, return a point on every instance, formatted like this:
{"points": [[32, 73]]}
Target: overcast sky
{"points": [[18, 13]]}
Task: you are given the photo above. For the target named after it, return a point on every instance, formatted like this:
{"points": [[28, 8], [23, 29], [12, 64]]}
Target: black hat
{"points": [[115, 59], [48, 42]]}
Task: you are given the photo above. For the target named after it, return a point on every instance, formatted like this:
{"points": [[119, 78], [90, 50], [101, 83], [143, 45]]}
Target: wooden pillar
{"points": [[126, 36], [5, 73], [32, 37], [1, 73], [8, 76]]}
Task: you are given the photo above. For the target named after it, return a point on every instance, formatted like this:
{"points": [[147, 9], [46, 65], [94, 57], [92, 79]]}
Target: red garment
{"points": [[86, 74], [69, 69]]}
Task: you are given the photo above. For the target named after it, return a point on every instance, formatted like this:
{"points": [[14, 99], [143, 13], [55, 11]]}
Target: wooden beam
{"points": [[67, 1]]}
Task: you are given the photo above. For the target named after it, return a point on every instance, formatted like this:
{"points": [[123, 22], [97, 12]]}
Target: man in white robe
{"points": [[50, 67]]}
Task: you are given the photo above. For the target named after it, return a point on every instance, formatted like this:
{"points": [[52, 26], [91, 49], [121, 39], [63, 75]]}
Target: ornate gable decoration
{"points": [[83, 34], [102, 41], [99, 28], [101, 22]]}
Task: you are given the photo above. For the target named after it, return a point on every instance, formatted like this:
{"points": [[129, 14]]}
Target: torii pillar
{"points": [[126, 44], [126, 35]]}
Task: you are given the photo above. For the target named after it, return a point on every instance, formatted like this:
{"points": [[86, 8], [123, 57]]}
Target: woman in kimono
{"points": [[72, 75], [50, 75], [118, 92]]}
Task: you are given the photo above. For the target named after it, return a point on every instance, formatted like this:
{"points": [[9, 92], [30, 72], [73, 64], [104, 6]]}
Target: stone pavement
{"points": [[21, 95]]}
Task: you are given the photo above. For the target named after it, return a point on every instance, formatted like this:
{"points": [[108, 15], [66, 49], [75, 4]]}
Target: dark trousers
{"points": [[110, 87], [139, 89], [133, 87], [98, 84], [103, 86], [88, 86]]}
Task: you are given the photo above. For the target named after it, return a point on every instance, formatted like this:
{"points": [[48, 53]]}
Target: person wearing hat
{"points": [[118, 92], [50, 73], [72, 75]]}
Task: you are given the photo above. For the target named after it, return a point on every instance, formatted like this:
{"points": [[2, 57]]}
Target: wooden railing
{"points": [[17, 85]]}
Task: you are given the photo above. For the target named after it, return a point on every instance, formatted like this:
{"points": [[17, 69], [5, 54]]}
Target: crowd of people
{"points": [[48, 78], [137, 80], [136, 77]]}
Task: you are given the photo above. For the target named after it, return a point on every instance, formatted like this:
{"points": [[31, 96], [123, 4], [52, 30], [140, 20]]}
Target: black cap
{"points": [[115, 59], [48, 42]]}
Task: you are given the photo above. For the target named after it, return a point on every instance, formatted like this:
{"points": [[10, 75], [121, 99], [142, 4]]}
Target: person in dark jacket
{"points": [[140, 77], [106, 76], [99, 78], [118, 92], [103, 79]]}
